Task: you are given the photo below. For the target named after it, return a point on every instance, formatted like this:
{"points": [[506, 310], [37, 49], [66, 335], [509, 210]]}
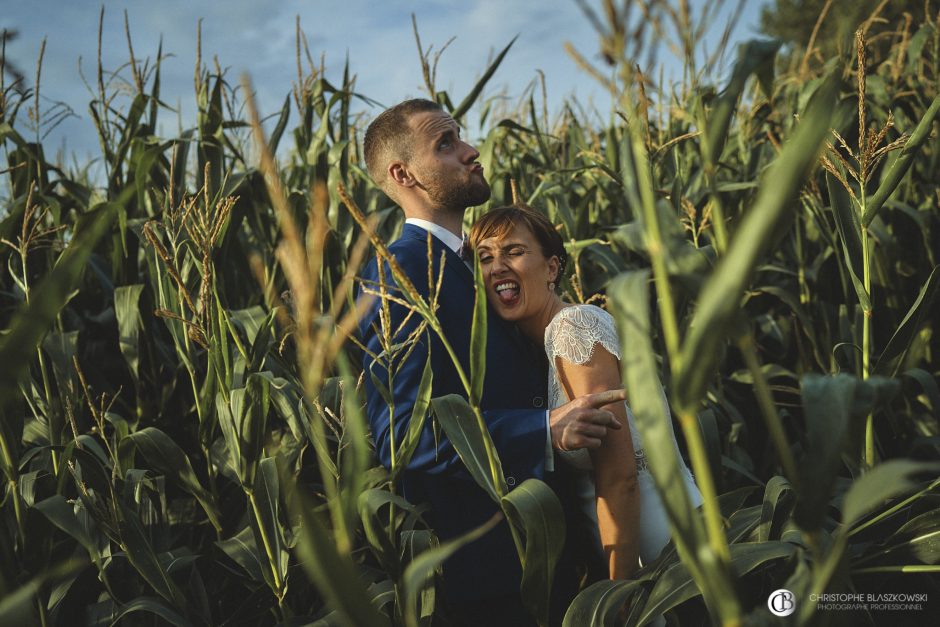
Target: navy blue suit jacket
{"points": [[513, 403]]}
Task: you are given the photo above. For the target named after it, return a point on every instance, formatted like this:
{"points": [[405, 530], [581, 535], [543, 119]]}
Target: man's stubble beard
{"points": [[457, 196]]}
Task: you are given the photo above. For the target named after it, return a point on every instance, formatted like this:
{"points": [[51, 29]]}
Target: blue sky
{"points": [[257, 37]]}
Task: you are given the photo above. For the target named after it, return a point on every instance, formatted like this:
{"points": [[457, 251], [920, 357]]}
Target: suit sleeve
{"points": [[392, 384]]}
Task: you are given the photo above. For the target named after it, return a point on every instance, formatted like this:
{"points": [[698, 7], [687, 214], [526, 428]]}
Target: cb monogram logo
{"points": [[781, 602]]}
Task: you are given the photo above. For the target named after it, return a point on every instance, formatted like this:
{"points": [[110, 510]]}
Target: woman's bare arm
{"points": [[618, 500]]}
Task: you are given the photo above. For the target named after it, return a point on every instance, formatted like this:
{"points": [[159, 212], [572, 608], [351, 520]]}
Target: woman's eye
{"points": [[485, 259]]}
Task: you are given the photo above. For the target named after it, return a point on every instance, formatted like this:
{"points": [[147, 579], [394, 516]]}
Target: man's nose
{"points": [[470, 153]]}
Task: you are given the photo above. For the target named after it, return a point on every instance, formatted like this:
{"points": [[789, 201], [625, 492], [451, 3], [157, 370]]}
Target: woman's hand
{"points": [[581, 424]]}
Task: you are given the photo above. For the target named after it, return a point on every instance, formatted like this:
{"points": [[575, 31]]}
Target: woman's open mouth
{"points": [[507, 292]]}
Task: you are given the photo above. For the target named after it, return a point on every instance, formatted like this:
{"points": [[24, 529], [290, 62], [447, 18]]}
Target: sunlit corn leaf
{"points": [[127, 312], [742, 523], [457, 419], [775, 508], [420, 572], [478, 335], [628, 175], [538, 523], [419, 415], [165, 455], [720, 298], [629, 299], [269, 537], [465, 104], [355, 456]]}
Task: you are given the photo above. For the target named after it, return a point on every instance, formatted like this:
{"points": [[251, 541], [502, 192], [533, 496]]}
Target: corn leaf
{"points": [[886, 480], [459, 423], [720, 299], [165, 455], [420, 572], [538, 523], [127, 312], [478, 336], [900, 343]]}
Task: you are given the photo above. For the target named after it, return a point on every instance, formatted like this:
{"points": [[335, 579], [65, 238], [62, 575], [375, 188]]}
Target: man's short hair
{"points": [[389, 138]]}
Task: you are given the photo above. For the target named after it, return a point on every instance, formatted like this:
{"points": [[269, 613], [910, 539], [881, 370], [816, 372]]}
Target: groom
{"points": [[414, 153]]}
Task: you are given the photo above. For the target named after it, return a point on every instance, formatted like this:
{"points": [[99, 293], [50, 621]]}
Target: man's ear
{"points": [[400, 175]]}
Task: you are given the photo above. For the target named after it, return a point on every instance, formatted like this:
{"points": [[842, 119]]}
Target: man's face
{"points": [[444, 166]]}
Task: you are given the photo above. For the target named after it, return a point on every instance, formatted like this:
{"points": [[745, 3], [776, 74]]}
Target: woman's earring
{"points": [[551, 286]]}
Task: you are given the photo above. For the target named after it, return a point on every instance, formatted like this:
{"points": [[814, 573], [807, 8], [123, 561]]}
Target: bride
{"points": [[522, 257]]}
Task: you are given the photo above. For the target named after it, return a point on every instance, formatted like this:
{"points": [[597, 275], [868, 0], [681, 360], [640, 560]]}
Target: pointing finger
{"points": [[599, 399]]}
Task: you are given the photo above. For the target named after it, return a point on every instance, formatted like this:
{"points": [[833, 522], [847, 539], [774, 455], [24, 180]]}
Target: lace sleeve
{"points": [[575, 331]]}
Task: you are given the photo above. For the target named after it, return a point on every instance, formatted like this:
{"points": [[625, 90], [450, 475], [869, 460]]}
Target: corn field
{"points": [[182, 431]]}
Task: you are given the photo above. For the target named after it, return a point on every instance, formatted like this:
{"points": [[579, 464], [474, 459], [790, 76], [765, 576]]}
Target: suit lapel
{"points": [[453, 264]]}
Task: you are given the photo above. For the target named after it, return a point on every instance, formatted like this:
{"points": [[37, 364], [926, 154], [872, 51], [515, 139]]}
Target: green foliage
{"points": [[180, 444]]}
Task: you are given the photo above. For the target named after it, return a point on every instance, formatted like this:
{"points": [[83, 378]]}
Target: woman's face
{"points": [[517, 274]]}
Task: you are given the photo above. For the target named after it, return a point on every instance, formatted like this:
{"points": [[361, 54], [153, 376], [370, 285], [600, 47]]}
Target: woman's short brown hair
{"points": [[500, 221]]}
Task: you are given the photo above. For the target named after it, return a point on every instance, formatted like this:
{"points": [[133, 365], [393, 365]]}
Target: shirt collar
{"points": [[447, 238]]}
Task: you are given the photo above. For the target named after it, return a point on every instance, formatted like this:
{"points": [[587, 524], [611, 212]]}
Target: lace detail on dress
{"points": [[572, 335], [574, 331]]}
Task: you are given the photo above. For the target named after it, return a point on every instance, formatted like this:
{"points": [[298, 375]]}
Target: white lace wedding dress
{"points": [[572, 336]]}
